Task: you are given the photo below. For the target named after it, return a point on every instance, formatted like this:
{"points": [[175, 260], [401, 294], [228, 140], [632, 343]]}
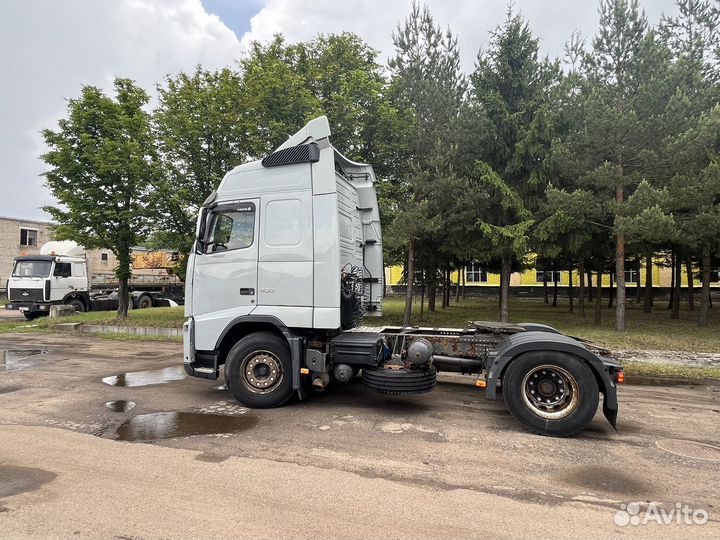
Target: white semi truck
{"points": [[288, 259], [61, 275]]}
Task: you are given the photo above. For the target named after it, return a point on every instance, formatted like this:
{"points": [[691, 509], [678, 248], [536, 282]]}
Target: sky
{"points": [[50, 49]]}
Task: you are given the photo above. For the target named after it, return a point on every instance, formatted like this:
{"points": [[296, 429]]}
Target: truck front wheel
{"points": [[550, 392], [258, 371]]}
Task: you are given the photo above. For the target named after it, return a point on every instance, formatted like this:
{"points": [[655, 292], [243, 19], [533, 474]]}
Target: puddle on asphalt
{"points": [[167, 425], [16, 359], [120, 405], [146, 378]]}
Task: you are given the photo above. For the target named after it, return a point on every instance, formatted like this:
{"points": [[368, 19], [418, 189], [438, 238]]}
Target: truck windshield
{"points": [[32, 269]]}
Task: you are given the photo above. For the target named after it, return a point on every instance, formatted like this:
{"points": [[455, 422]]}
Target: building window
{"points": [[632, 276], [28, 237], [104, 259], [475, 274], [553, 276]]}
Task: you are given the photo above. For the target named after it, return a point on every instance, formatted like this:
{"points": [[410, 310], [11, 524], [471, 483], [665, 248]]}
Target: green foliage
{"points": [[199, 125], [103, 164]]}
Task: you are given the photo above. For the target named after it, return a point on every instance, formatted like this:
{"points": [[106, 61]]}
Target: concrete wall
{"points": [[10, 246]]}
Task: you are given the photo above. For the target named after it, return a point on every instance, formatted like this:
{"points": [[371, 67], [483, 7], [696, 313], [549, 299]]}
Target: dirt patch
{"points": [[17, 480], [606, 480]]}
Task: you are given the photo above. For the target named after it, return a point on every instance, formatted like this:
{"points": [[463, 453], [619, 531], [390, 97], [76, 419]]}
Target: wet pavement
{"points": [[450, 463]]}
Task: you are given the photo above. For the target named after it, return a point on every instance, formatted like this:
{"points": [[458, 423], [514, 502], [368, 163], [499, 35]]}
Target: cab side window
{"points": [[231, 229], [62, 270]]}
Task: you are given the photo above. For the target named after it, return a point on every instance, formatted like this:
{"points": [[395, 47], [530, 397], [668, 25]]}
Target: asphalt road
{"points": [[346, 463]]}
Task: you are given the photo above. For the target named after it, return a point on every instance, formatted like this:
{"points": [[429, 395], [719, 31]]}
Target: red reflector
{"points": [[620, 377]]}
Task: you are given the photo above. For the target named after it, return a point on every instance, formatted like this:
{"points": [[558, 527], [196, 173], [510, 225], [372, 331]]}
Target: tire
{"points": [[78, 304], [551, 393], [144, 302], [29, 315], [252, 367], [399, 381]]}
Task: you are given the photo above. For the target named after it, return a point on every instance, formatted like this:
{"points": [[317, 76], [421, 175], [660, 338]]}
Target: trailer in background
{"points": [[62, 275]]}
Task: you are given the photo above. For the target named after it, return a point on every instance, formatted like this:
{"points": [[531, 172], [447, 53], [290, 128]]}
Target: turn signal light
{"points": [[304, 371], [481, 383], [620, 378]]}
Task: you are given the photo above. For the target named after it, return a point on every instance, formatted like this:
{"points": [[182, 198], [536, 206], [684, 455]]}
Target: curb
{"points": [[130, 330]]}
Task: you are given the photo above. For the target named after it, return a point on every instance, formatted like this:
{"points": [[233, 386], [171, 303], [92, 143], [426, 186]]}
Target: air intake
{"points": [[302, 153]]}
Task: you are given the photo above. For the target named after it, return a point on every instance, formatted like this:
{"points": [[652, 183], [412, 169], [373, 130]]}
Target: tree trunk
{"points": [[555, 289], [457, 286], [123, 273], [463, 285], [638, 288], [581, 297], [598, 295], [590, 286], [705, 296], [619, 275], [447, 286], [647, 307], [505, 270], [545, 289], [672, 280], [432, 295], [571, 291], [691, 285], [410, 279], [422, 300], [678, 287], [610, 299]]}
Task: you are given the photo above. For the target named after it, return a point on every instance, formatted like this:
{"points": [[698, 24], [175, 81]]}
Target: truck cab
{"points": [[294, 238], [288, 260], [57, 276]]}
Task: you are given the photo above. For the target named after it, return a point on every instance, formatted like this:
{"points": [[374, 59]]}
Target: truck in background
{"points": [[62, 275], [288, 259]]}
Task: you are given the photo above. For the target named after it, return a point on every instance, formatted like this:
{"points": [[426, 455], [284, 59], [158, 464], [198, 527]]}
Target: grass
{"points": [[162, 317], [670, 370], [644, 331]]}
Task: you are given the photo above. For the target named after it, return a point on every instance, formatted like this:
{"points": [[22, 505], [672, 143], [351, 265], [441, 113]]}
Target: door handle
{"points": [[247, 292]]}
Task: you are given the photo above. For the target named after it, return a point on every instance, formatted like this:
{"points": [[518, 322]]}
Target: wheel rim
{"points": [[261, 372], [550, 392]]}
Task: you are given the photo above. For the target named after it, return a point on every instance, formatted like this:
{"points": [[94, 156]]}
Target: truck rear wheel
{"points": [[551, 393], [258, 371], [399, 381], [144, 302], [78, 304]]}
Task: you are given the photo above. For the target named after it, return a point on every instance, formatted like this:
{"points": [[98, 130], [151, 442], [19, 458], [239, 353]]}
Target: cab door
{"points": [[226, 258]]}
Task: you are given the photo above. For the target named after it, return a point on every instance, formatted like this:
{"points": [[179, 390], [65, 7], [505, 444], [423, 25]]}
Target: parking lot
{"points": [[109, 439]]}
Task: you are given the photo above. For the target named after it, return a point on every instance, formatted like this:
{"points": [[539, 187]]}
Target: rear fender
{"points": [[516, 344]]}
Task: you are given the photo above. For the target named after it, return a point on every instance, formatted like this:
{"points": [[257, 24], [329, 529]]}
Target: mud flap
{"points": [[610, 414], [297, 354]]}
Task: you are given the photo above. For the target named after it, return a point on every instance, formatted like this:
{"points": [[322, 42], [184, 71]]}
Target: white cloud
{"points": [[470, 20], [50, 49]]}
